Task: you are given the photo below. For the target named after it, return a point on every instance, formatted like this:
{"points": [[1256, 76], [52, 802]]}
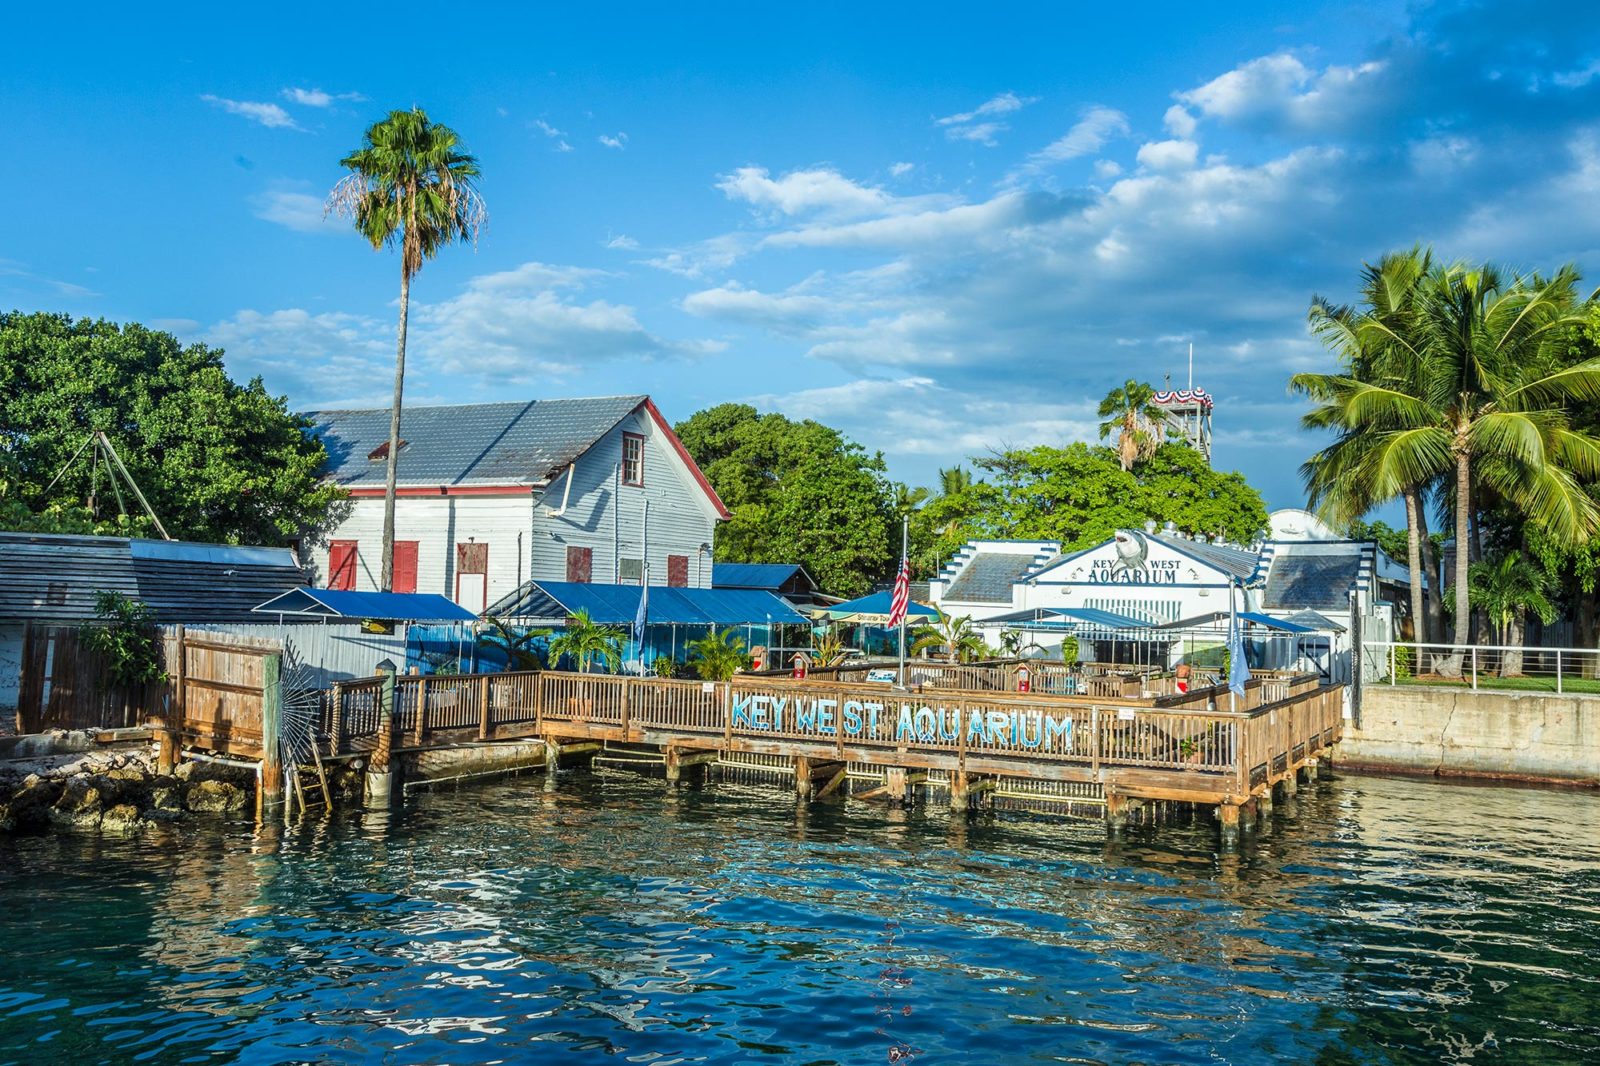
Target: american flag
{"points": [[901, 600]]}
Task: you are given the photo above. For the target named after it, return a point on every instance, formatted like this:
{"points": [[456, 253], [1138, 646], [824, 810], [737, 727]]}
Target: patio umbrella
{"points": [[871, 609]]}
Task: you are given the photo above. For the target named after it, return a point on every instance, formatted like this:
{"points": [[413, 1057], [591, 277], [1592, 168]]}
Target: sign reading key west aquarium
{"points": [[902, 721]]}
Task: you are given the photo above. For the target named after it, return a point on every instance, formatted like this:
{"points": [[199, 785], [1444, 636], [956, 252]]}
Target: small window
{"points": [[630, 571], [678, 571], [381, 452], [632, 459]]}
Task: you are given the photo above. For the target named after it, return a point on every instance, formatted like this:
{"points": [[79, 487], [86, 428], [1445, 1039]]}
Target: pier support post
{"points": [[1290, 784], [960, 794], [1116, 812], [1264, 804], [1310, 770], [1247, 816], [897, 784], [378, 785], [552, 762], [271, 734], [802, 778], [684, 763], [1228, 820]]}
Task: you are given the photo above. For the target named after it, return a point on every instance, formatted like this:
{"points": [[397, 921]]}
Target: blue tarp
{"points": [[873, 606], [619, 605], [387, 606]]}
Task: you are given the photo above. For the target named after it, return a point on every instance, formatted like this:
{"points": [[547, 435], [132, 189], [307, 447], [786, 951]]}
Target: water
{"points": [[1382, 921]]}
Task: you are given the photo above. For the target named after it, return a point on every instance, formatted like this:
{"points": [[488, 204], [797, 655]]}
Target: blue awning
{"points": [[386, 606], [1069, 617], [1269, 622], [555, 601], [872, 609]]}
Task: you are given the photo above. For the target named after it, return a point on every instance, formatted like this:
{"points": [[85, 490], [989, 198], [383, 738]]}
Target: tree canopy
{"points": [[219, 461], [1080, 495], [799, 492]]}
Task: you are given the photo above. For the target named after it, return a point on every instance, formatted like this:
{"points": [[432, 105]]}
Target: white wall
{"points": [[438, 524], [526, 541], [603, 514]]}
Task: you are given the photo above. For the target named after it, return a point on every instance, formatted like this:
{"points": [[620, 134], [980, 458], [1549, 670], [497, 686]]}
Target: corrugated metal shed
{"points": [[769, 576], [469, 444], [553, 601], [52, 580]]}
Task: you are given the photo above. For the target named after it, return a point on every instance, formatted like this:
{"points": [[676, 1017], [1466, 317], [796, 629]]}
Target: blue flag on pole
{"points": [[639, 618], [1238, 666]]}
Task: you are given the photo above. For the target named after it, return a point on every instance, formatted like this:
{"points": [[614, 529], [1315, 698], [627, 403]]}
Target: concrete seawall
{"points": [[1532, 736]]}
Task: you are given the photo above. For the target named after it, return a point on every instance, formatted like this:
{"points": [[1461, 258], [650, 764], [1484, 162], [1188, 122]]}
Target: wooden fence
{"points": [[65, 685], [1194, 739]]}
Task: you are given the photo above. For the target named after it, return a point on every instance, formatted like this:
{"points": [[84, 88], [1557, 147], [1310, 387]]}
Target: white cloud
{"points": [[1168, 155], [803, 191], [1107, 168], [563, 146], [787, 313], [900, 170], [320, 360], [1578, 78], [966, 126], [619, 141], [296, 210], [622, 242], [1091, 132], [1003, 104], [318, 98], [1281, 90], [269, 115], [1179, 122]]}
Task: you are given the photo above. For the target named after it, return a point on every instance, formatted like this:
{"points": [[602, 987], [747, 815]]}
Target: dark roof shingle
{"points": [[519, 443], [988, 577], [1318, 582]]}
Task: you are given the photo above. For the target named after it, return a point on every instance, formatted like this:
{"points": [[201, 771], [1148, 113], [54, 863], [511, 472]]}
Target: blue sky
{"points": [[943, 230]]}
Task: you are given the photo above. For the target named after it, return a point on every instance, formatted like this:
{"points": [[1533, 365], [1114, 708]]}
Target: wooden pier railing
{"points": [[1173, 746]]}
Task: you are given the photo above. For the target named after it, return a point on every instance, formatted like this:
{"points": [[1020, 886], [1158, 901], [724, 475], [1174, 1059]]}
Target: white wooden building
{"points": [[491, 496]]}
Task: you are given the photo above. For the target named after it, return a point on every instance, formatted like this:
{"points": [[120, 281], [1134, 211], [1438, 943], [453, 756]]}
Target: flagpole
{"points": [[1233, 629], [904, 524]]}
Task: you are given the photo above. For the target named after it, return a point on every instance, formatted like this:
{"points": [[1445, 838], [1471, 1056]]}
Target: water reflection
{"points": [[1375, 921]]}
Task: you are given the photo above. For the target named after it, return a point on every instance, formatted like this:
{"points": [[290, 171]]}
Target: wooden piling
{"points": [[271, 733], [379, 778], [1228, 820]]}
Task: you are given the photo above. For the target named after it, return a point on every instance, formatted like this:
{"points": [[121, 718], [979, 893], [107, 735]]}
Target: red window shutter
{"points": [[342, 565], [580, 563], [405, 566], [678, 571], [472, 558]]}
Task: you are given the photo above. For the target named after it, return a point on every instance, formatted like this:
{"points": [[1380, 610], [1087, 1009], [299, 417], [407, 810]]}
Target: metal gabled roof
{"points": [[521, 443], [618, 605], [53, 580], [386, 606], [769, 576], [988, 577]]}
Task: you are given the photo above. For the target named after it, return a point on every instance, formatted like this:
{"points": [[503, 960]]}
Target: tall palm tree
{"points": [[954, 481], [1130, 412], [1509, 589], [410, 185], [1483, 400], [587, 642], [1378, 344]]}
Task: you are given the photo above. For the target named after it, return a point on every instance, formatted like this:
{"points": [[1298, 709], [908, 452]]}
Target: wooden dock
{"points": [[1187, 748]]}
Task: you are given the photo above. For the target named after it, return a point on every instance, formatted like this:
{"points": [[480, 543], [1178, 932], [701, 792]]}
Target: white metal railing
{"points": [[1557, 670]]}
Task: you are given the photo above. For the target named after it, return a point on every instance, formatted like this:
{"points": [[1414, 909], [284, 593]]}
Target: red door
{"points": [[342, 564], [405, 566], [580, 563]]}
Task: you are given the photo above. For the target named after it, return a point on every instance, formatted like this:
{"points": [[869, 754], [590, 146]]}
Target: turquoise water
{"points": [[1378, 921]]}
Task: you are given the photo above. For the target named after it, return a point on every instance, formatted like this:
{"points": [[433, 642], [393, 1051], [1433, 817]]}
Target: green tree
{"points": [[1378, 344], [587, 643], [1130, 412], [798, 492], [124, 633], [410, 185], [1509, 588], [718, 655], [218, 461], [949, 635], [1480, 397], [1080, 495]]}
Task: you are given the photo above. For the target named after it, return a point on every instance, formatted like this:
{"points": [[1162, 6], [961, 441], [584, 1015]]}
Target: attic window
{"points": [[381, 452]]}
